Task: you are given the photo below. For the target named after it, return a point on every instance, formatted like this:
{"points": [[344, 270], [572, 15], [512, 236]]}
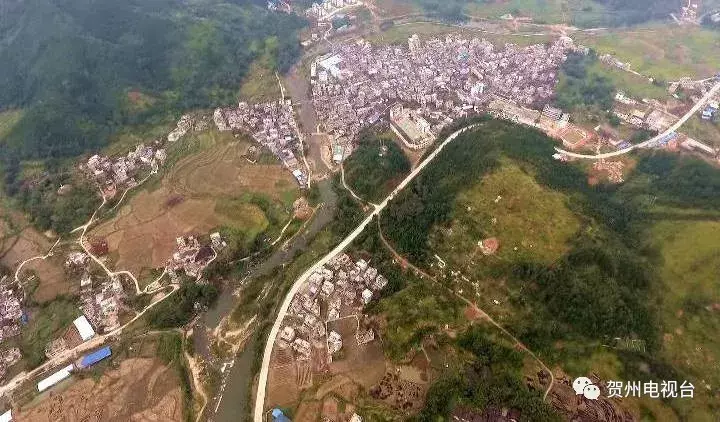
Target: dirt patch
{"points": [[24, 242], [138, 390], [364, 364]]}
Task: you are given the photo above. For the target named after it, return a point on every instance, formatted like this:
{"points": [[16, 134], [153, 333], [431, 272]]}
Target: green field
{"points": [[690, 290], [661, 51], [702, 130], [581, 13], [260, 84], [634, 86], [510, 205], [399, 34]]}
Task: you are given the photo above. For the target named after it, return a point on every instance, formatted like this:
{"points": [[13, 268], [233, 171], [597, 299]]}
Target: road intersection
{"points": [[650, 141], [270, 342]]}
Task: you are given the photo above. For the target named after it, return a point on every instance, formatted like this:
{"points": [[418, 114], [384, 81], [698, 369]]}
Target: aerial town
{"points": [[192, 257], [427, 84], [338, 290], [272, 125], [113, 174]]}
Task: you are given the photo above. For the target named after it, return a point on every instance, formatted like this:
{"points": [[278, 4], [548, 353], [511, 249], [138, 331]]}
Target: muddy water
{"points": [[237, 380], [298, 86]]}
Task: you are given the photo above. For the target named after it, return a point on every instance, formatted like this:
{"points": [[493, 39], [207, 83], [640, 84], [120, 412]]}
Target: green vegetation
{"points": [[661, 51], [582, 13], [419, 310], [47, 208], [631, 262], [70, 64], [47, 323], [491, 377], [578, 87], [703, 130], [633, 85], [399, 34], [375, 166], [182, 306]]}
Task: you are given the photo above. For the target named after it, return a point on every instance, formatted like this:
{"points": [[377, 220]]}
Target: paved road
{"points": [[264, 369], [672, 128], [75, 353]]}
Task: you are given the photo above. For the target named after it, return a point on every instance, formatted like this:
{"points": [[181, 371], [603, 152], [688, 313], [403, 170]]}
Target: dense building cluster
{"points": [[192, 257], [336, 291], [10, 310], [444, 79], [112, 174], [101, 302], [326, 8], [271, 125]]}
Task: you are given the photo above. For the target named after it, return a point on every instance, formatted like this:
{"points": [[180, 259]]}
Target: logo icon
{"points": [[585, 386]]}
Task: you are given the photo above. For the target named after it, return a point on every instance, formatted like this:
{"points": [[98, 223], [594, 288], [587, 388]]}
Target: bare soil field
{"points": [[142, 234], [140, 389], [18, 242]]}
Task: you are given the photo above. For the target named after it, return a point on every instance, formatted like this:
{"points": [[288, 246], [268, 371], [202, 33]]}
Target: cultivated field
{"points": [[20, 241], [211, 188], [140, 389]]}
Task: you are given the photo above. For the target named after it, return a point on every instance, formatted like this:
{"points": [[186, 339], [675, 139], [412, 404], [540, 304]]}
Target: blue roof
{"points": [[95, 357], [279, 416]]}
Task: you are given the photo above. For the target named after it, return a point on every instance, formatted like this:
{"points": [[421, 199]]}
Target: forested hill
{"points": [[69, 64]]}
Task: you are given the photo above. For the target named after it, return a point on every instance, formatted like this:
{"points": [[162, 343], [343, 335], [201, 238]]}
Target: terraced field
{"points": [[212, 188]]}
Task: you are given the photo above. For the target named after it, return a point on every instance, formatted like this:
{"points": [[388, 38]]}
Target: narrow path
{"points": [[270, 342], [297, 129], [74, 353], [349, 189], [476, 308], [666, 132], [42, 258]]}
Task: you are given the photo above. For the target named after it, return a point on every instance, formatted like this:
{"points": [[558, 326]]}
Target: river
{"points": [[233, 406]]}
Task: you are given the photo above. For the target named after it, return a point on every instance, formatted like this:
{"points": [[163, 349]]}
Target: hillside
{"points": [[594, 279], [81, 69]]}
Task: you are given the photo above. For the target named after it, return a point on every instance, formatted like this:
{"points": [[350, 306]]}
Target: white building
{"points": [[84, 328]]}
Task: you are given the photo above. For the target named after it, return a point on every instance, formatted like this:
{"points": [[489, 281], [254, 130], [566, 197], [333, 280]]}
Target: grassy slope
{"points": [[658, 50], [260, 84], [582, 13], [8, 119], [399, 34]]}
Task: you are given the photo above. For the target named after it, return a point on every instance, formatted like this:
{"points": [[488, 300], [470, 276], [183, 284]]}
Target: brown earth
{"points": [[24, 242], [142, 234], [141, 389]]}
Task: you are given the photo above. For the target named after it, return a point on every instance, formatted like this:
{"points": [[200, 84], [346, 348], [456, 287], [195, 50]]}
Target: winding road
{"points": [[270, 342], [666, 132]]}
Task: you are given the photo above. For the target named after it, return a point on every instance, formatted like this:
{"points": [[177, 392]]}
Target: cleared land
{"points": [[20, 241], [212, 188], [661, 51], [140, 389]]}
